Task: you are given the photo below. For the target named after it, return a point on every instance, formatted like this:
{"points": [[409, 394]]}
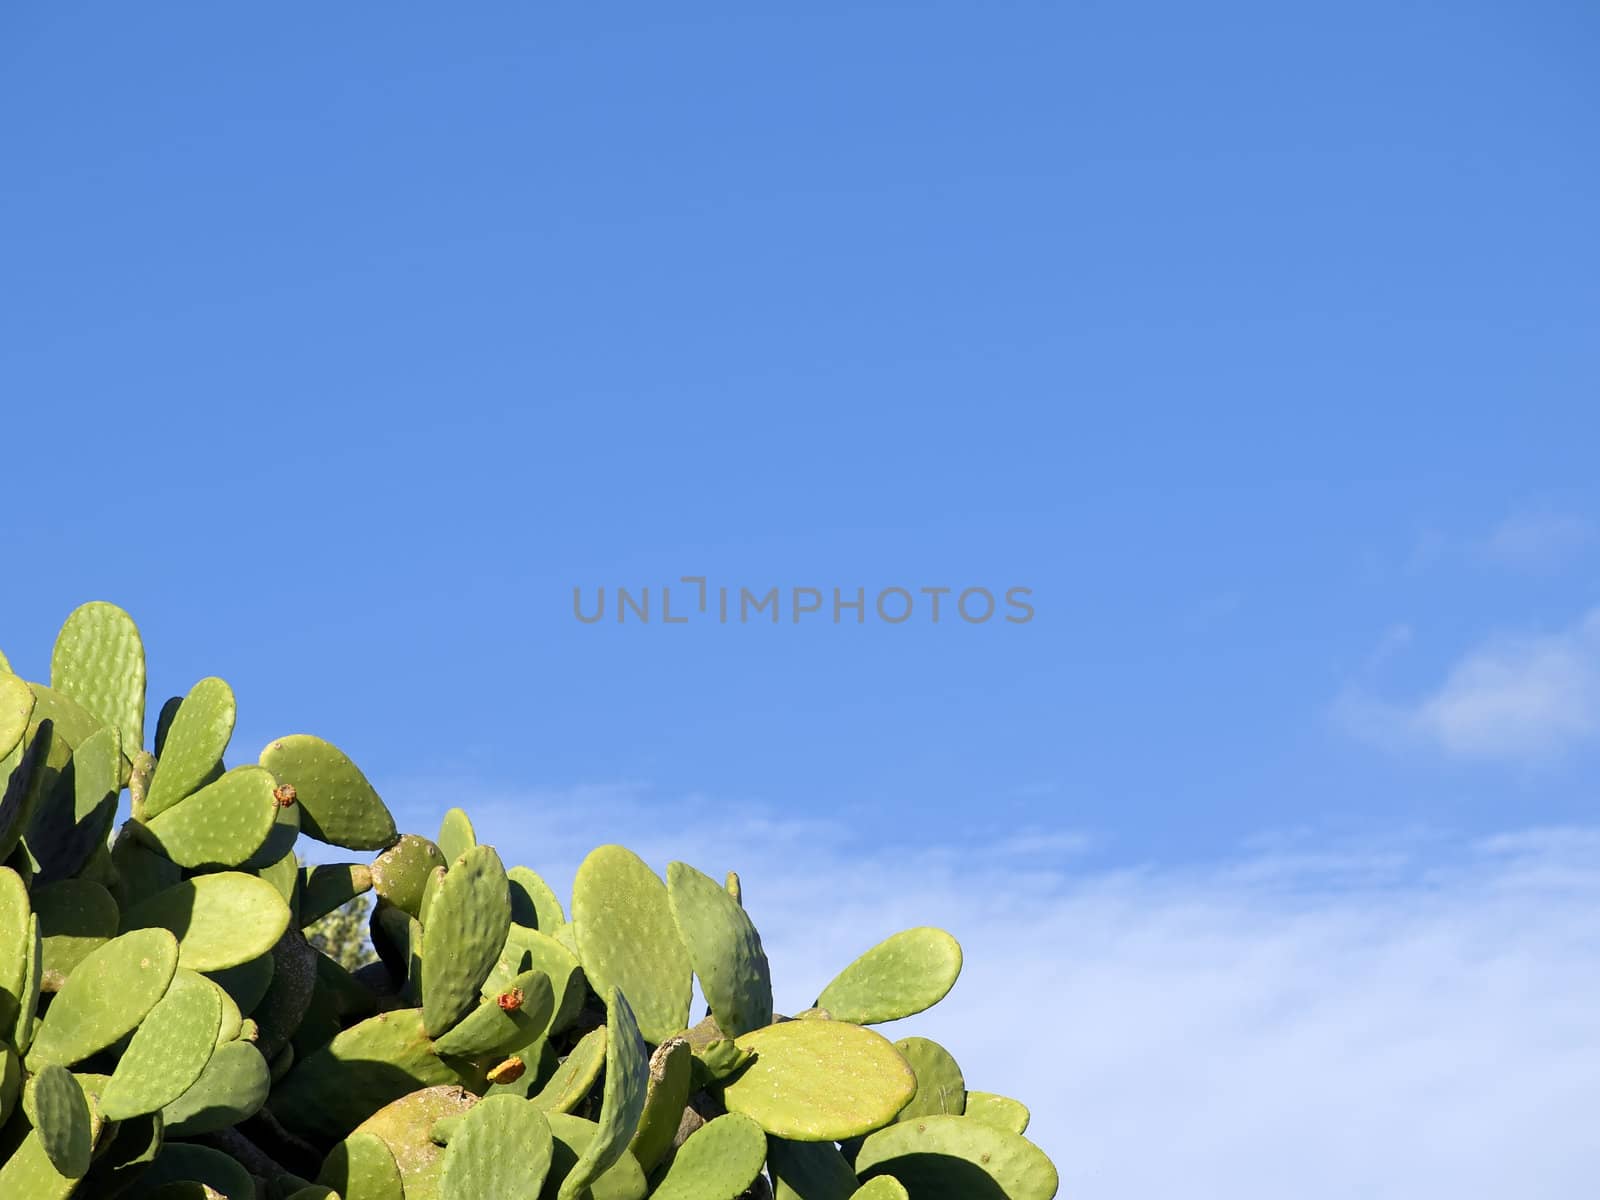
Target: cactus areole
{"points": [[168, 1027]]}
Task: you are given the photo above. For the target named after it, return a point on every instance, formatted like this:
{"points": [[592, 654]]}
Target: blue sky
{"points": [[341, 345]]}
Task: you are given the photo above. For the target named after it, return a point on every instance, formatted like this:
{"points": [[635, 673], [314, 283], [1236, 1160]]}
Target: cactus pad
{"points": [[958, 1159], [724, 948], [362, 1168], [16, 707], [899, 977], [622, 1102], [60, 1114], [820, 1081], [221, 825], [220, 920], [337, 804], [169, 1050], [1000, 1111], [106, 996], [718, 1161], [941, 1091], [98, 662], [191, 744], [232, 1087], [627, 939], [400, 873], [464, 932], [502, 1148]]}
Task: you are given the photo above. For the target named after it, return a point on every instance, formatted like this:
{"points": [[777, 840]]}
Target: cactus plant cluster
{"points": [[167, 1030]]}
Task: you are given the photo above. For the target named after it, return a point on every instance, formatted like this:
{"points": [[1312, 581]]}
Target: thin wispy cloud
{"points": [[1521, 697], [1309, 1019], [1536, 540]]}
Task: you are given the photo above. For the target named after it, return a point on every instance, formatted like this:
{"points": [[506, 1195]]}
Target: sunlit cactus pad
{"points": [[173, 1023]]}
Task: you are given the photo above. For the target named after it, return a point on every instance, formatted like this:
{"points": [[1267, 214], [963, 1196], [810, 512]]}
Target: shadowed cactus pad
{"points": [[179, 1017], [952, 1158]]}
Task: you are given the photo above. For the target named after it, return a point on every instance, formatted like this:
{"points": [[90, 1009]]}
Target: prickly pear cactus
{"points": [[170, 1025]]}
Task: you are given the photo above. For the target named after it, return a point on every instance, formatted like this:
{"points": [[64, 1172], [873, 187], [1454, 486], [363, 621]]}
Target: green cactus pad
{"points": [[371, 1064], [195, 738], [279, 846], [529, 950], [899, 977], [72, 723], [329, 886], [724, 949], [622, 1100], [15, 937], [220, 920], [884, 1187], [232, 1087], [430, 890], [106, 996], [221, 825], [121, 1156], [820, 1081], [60, 1115], [75, 917], [98, 661], [502, 1148], [16, 709], [1000, 1111], [10, 1081], [27, 1171], [32, 976], [140, 871], [670, 1076], [337, 804], [513, 1017], [717, 1162], [186, 1163], [627, 939], [952, 1158], [575, 1137], [456, 835], [247, 983], [70, 826], [400, 873], [362, 1168], [941, 1091], [464, 932], [810, 1171], [169, 1050], [404, 1125], [533, 904], [565, 1089], [33, 776]]}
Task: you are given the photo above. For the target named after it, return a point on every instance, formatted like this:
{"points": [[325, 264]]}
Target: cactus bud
{"points": [[507, 1072], [510, 1000]]}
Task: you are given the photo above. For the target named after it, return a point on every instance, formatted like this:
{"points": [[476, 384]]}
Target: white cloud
{"points": [[1525, 697], [1310, 1020], [1536, 540]]}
